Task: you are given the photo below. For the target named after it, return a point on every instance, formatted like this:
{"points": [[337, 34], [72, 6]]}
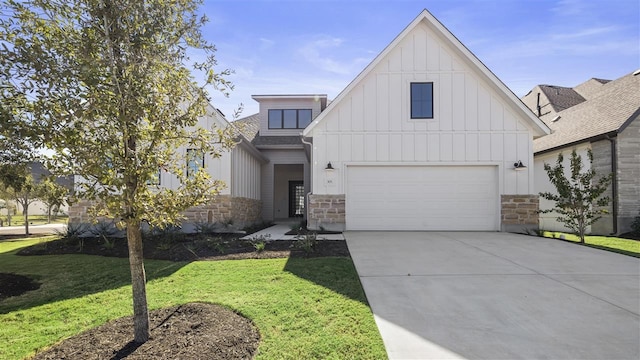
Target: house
{"points": [[425, 138], [240, 169], [38, 171], [600, 115]]}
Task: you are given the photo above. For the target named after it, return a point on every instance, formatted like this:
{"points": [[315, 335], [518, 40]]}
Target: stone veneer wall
{"points": [[519, 212], [628, 175], [602, 165], [326, 211], [242, 211]]}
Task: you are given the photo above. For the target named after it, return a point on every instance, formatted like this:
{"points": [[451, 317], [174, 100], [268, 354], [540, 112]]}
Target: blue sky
{"points": [[313, 46]]}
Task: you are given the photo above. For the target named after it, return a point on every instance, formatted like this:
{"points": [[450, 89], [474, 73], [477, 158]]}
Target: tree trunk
{"points": [[48, 214], [138, 282], [25, 211]]}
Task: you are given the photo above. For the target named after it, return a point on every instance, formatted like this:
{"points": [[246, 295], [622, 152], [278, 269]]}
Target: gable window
{"points": [[195, 161], [422, 100], [289, 118]]}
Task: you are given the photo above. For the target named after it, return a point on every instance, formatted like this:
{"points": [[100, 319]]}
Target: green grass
{"points": [[609, 243], [303, 308], [18, 220]]}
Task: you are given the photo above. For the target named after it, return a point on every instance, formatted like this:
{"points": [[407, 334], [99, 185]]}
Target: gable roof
{"points": [[248, 126], [609, 111], [539, 128], [560, 97]]}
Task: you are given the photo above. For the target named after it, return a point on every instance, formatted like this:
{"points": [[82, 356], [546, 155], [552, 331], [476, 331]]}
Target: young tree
{"points": [[52, 194], [18, 185], [111, 92], [577, 195]]}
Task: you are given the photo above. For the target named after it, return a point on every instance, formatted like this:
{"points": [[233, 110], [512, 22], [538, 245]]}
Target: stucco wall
{"points": [[542, 183]]}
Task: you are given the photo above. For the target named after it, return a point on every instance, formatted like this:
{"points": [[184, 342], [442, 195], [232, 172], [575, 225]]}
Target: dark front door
{"points": [[296, 198]]}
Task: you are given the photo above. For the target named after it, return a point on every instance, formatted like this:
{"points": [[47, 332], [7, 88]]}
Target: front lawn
{"points": [[609, 243], [304, 308]]}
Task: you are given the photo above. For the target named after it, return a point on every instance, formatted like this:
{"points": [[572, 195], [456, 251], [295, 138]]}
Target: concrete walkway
{"points": [[444, 295], [278, 231], [33, 229]]}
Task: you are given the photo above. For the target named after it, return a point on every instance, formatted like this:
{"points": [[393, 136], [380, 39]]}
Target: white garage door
{"points": [[422, 198]]}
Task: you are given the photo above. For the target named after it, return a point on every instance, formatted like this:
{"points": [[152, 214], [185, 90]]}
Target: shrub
{"points": [[259, 246], [105, 230], [73, 231], [205, 228], [306, 242], [635, 226]]}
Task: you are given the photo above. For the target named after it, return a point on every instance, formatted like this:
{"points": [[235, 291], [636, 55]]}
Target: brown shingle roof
{"points": [[607, 110]]}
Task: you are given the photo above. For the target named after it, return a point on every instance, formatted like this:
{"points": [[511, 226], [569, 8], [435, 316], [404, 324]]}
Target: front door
{"points": [[296, 198]]}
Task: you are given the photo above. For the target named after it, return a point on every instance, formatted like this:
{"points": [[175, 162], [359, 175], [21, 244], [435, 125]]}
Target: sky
{"points": [[320, 46]]}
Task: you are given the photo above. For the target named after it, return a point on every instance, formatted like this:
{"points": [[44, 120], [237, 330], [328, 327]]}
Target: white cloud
{"points": [[317, 51]]}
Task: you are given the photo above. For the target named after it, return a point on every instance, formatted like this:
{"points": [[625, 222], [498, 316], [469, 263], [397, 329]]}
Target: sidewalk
{"points": [[278, 231], [33, 229]]}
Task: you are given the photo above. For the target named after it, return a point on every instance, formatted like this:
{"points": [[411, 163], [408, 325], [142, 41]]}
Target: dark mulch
{"points": [[631, 235], [189, 331], [14, 285], [189, 247]]}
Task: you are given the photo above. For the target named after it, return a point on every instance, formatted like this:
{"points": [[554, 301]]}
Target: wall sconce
{"points": [[329, 167], [518, 166]]}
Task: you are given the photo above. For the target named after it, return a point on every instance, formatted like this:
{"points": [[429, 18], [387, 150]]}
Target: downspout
{"points": [[306, 202], [614, 184]]}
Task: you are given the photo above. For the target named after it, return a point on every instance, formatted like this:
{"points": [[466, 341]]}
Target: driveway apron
{"points": [[487, 295]]}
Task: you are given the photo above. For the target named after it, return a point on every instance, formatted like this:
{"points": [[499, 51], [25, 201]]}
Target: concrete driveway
{"points": [[465, 295]]}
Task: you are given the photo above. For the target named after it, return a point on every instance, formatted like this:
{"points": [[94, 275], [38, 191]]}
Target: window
{"points": [[195, 161], [155, 180], [289, 118], [422, 100]]}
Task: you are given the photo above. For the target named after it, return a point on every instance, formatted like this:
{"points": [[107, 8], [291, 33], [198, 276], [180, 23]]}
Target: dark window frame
{"points": [[411, 101], [281, 111]]}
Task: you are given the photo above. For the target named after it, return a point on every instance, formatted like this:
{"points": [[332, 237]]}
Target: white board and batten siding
{"points": [[474, 132], [245, 174]]}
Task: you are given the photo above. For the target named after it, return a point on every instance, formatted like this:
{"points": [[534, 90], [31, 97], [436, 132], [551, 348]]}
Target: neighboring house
{"points": [[38, 171], [425, 138], [600, 115]]}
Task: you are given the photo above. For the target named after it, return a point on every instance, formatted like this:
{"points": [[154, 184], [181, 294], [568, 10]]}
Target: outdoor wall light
{"points": [[519, 166], [329, 167]]}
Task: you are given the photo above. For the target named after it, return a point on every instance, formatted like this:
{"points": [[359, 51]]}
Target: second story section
{"points": [[288, 115]]}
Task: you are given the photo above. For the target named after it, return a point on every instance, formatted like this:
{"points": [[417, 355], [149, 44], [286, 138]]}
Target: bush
{"points": [[306, 242], [635, 226]]}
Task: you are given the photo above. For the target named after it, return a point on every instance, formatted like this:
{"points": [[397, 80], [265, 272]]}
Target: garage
{"points": [[422, 198]]}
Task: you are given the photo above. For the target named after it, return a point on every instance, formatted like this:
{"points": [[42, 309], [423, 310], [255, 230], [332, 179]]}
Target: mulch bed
{"points": [[14, 285], [189, 247], [631, 235], [189, 331]]}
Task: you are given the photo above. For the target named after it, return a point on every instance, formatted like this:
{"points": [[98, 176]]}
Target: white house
{"points": [[425, 138]]}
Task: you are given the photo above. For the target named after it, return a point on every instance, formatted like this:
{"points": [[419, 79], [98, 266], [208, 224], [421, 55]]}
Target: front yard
{"points": [[608, 243], [303, 308]]}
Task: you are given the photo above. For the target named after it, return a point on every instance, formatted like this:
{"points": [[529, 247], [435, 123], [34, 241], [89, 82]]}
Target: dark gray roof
{"points": [[248, 126], [38, 172], [607, 111], [276, 140], [561, 98]]}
